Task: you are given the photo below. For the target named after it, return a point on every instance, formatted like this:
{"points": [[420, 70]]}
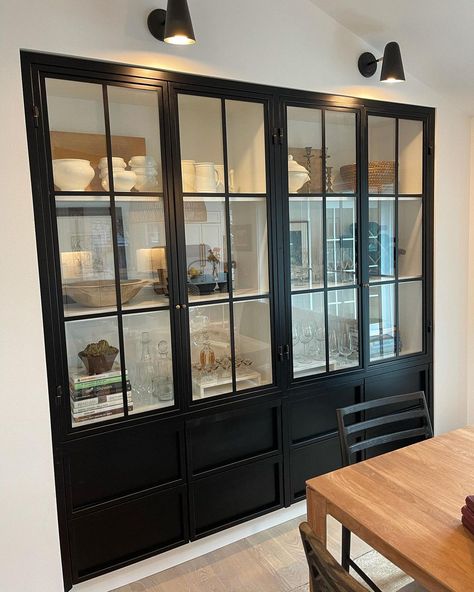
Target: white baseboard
{"points": [[148, 567]]}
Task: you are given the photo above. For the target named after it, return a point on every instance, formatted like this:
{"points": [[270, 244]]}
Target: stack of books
{"points": [[95, 397]]}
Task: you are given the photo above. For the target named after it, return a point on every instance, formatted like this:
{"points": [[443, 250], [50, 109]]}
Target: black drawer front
{"points": [[316, 415], [312, 460], [226, 437], [124, 461], [122, 533], [235, 494]]}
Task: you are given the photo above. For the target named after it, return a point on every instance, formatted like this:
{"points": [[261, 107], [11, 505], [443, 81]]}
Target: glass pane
{"points": [[86, 255], [410, 298], [77, 134], [410, 155], [308, 334], [341, 170], [381, 242], [341, 228], [343, 329], [200, 132], [210, 350], [382, 322], [245, 147], [148, 359], [95, 376], [253, 343], [142, 247], [248, 218], [206, 252], [410, 224], [306, 243], [304, 150], [135, 131], [382, 154]]}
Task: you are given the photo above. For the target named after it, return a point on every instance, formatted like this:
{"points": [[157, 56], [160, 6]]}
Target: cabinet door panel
{"points": [[232, 436], [123, 533], [313, 460], [125, 461]]}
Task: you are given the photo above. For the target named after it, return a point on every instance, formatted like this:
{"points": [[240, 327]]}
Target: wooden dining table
{"points": [[406, 504]]}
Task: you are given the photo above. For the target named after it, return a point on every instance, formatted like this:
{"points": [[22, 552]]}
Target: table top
{"points": [[407, 505]]}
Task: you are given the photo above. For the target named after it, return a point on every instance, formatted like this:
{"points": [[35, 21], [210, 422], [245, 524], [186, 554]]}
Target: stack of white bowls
{"points": [[123, 180], [146, 171]]}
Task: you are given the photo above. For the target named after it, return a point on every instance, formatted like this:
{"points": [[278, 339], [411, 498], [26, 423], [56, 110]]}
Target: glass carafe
{"points": [[163, 381], [144, 370]]}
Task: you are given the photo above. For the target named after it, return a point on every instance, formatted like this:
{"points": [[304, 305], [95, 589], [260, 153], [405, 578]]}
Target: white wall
{"points": [[272, 41], [470, 312]]}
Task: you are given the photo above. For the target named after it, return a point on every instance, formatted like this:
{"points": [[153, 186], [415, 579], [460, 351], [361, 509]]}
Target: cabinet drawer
{"points": [[124, 461], [312, 460], [123, 533], [316, 414], [223, 438], [236, 494]]}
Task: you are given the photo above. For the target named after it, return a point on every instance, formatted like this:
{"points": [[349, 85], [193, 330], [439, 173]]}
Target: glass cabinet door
{"points": [[113, 247], [225, 210], [323, 203], [395, 236]]}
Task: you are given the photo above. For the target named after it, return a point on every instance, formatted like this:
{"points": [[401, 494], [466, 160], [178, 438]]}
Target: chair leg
{"points": [[346, 548]]}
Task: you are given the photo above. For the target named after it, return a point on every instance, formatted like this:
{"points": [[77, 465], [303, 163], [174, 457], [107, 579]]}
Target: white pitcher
{"points": [[188, 175], [206, 177]]}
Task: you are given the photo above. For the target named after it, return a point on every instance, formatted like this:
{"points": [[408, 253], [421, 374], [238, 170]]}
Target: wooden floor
{"points": [[270, 561]]}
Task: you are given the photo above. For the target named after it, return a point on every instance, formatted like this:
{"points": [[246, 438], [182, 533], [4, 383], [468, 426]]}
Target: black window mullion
{"points": [[108, 140], [325, 258], [230, 286], [397, 318]]}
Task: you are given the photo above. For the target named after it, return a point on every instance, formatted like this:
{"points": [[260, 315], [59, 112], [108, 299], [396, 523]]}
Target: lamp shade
{"points": [[392, 66], [178, 26]]}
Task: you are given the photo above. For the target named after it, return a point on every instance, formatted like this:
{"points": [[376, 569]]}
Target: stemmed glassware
{"points": [[307, 333]]}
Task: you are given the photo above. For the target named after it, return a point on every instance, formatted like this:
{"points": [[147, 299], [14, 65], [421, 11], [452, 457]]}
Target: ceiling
{"points": [[436, 38]]}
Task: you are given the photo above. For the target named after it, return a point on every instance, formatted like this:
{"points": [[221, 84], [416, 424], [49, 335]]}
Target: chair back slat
{"points": [[326, 575], [352, 426]]}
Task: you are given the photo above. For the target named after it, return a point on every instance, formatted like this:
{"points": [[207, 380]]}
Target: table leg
{"points": [[316, 509]]}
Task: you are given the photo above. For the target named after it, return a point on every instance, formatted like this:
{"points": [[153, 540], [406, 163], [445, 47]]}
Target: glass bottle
{"points": [[163, 382], [144, 370]]}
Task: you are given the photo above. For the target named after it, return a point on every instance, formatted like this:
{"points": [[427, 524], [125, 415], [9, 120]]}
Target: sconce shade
{"points": [[392, 66], [150, 260], [172, 25]]}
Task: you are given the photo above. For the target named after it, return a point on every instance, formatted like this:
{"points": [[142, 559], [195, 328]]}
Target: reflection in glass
{"points": [[86, 256], [382, 154], [249, 246], [410, 155], [147, 341], [135, 131], [343, 328], [211, 358], [95, 375], [410, 221], [200, 132], [253, 345], [341, 170], [77, 133], [308, 334], [144, 280], [410, 297], [206, 252], [381, 243], [341, 241], [306, 243], [382, 333], [305, 149], [245, 147]]}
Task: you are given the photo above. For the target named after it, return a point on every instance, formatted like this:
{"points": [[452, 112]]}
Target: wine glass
{"points": [[320, 336], [333, 345], [307, 333], [345, 346]]}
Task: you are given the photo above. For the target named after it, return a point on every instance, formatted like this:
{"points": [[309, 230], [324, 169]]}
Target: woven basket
{"points": [[381, 172]]}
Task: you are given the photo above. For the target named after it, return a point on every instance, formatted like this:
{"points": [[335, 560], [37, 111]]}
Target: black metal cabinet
{"points": [[222, 265]]}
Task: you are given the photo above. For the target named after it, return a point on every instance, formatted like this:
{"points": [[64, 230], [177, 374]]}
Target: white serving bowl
{"points": [[72, 174], [123, 180]]}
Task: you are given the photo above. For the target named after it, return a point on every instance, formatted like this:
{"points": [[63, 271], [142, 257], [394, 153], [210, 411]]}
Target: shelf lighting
{"points": [[172, 25], [392, 65]]}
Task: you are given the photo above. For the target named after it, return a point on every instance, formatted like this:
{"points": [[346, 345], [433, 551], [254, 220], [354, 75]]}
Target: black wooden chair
{"points": [[357, 424], [325, 573]]}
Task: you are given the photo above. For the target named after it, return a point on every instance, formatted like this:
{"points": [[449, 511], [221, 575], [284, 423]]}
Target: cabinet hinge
{"points": [[430, 150], [280, 353], [277, 136], [286, 351], [429, 326], [36, 114], [59, 395]]}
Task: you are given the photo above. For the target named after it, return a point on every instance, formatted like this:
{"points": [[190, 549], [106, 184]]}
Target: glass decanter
{"points": [[163, 381], [144, 371]]}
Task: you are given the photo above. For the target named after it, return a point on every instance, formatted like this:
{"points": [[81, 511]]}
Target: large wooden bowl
{"points": [[99, 293], [381, 172]]}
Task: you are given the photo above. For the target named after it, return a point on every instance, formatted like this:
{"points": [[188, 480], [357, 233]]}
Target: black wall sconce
{"points": [[392, 66], [172, 25]]}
